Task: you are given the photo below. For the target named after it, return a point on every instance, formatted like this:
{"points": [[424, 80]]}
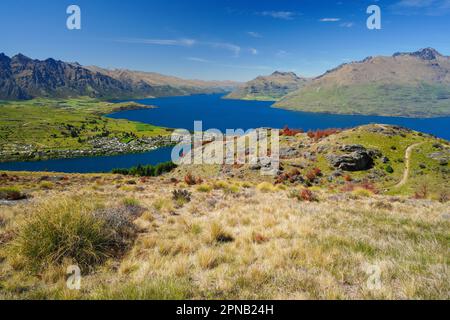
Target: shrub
{"points": [[290, 132], [190, 180], [303, 195], [443, 196], [308, 195], [389, 169], [147, 171], [75, 230], [317, 172], [311, 176], [133, 206], [11, 194], [320, 134], [181, 197], [259, 238], [130, 202], [421, 192]]}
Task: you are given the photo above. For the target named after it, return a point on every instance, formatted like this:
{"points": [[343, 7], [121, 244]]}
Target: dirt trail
{"points": [[407, 165]]}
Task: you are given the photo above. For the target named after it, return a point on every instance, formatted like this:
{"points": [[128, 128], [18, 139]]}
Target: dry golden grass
{"points": [[250, 244]]}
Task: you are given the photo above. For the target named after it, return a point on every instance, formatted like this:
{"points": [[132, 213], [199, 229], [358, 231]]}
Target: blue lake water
{"points": [[181, 112]]}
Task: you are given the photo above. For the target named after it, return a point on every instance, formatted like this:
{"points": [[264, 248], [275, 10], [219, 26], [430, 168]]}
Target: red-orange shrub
{"points": [[290, 132]]}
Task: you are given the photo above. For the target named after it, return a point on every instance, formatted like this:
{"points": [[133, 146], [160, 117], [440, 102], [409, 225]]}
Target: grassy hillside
{"points": [[221, 239], [42, 125], [428, 164], [413, 84], [213, 232], [424, 100]]}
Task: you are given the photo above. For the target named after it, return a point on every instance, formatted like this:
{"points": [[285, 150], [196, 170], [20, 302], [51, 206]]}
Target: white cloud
{"points": [[285, 15], [195, 59], [330, 20], [254, 34], [282, 54], [234, 66], [347, 24], [161, 42], [424, 7], [253, 51], [234, 49]]}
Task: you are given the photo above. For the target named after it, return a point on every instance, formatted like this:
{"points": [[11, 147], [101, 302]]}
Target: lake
{"points": [[215, 112]]}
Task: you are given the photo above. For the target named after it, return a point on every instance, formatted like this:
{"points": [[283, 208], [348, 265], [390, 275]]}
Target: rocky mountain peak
{"points": [[284, 74], [424, 54], [20, 58]]}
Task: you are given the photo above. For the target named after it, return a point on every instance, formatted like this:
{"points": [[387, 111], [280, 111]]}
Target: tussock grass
{"points": [[206, 188], [11, 193], [360, 192], [266, 187], [157, 289], [70, 229], [46, 185], [219, 234], [281, 248]]}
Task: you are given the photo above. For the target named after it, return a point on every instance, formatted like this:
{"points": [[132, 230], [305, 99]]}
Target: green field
{"points": [[46, 124]]}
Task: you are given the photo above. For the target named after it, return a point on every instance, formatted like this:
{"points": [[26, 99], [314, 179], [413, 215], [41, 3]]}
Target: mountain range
{"points": [[413, 84], [25, 78], [272, 87]]}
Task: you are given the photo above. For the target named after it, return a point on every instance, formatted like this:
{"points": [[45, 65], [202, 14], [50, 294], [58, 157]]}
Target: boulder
{"points": [[358, 160]]}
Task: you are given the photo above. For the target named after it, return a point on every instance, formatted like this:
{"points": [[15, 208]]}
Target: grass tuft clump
{"points": [[266, 187], [11, 194], [78, 231], [219, 234], [155, 289], [206, 188], [363, 193]]}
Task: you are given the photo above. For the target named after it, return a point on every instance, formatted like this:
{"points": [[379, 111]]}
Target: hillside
{"points": [[375, 157], [50, 128], [25, 78], [221, 236], [139, 78], [405, 84], [272, 87]]}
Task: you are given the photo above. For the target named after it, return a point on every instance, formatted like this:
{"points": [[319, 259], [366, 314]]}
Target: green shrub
{"points": [[204, 188], [46, 185], [72, 230], [147, 171], [266, 187], [11, 194], [131, 202], [389, 169], [181, 197]]}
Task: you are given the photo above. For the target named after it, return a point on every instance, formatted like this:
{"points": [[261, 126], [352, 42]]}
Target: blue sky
{"points": [[221, 39]]}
